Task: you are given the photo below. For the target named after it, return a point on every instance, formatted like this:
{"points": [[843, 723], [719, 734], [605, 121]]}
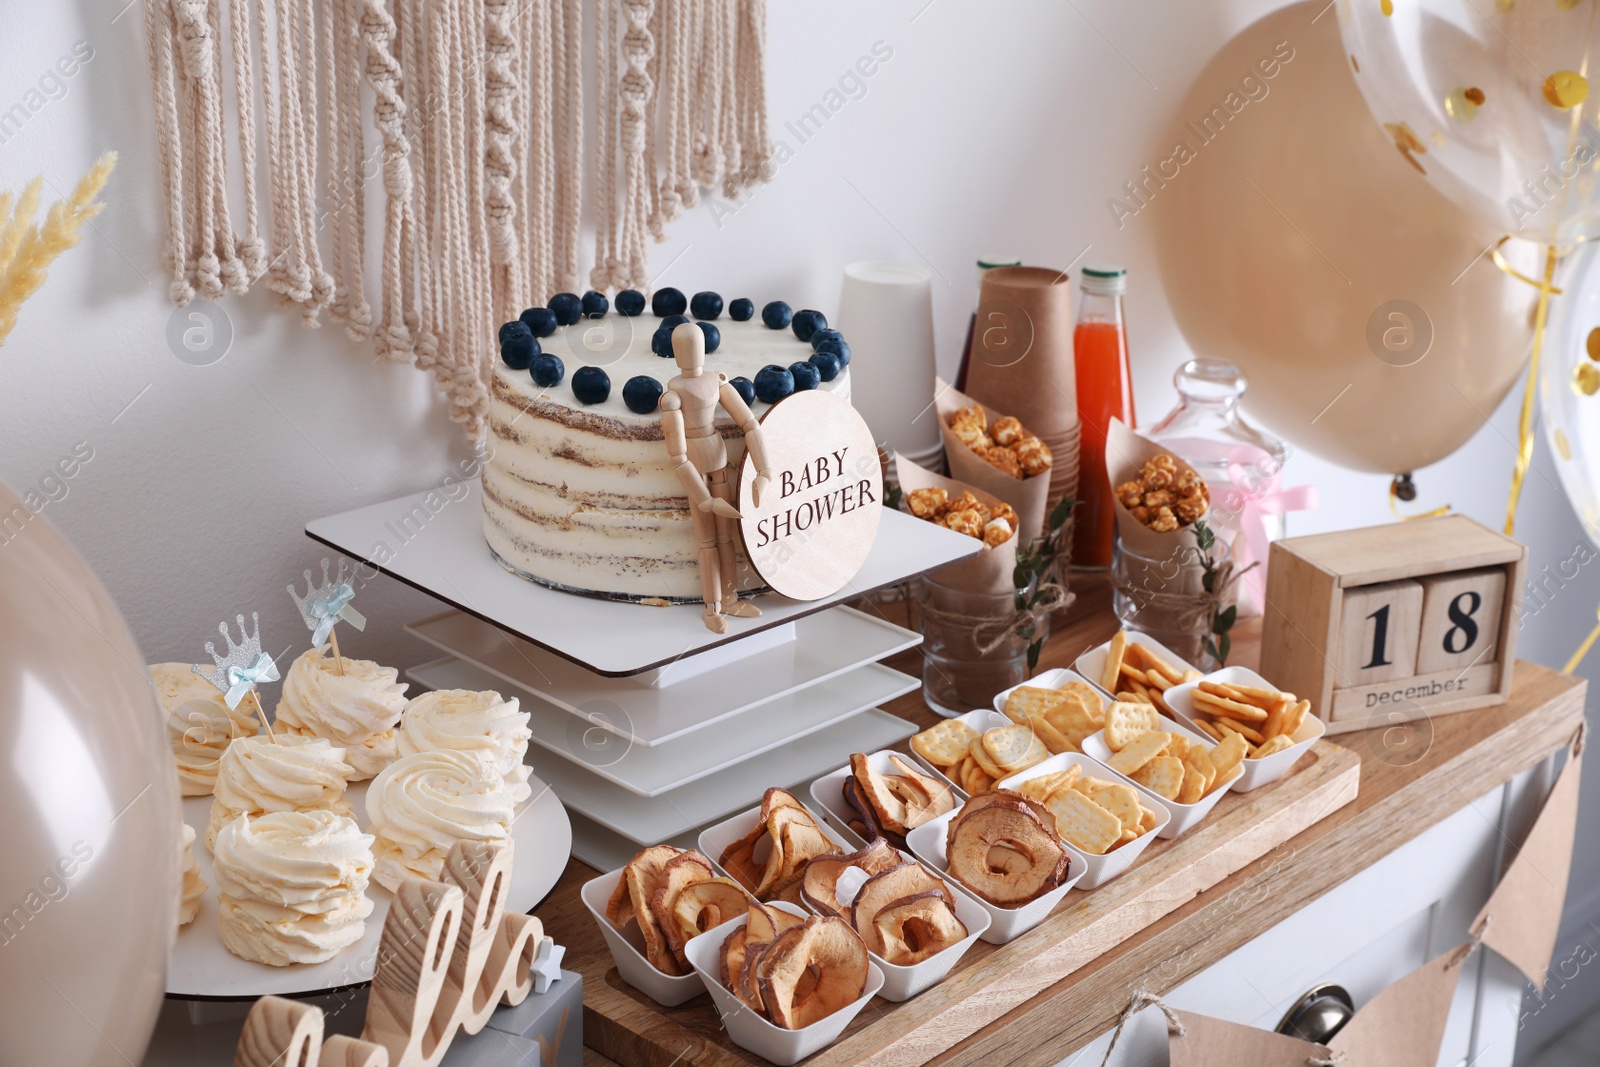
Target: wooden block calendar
{"points": [[1392, 623]]}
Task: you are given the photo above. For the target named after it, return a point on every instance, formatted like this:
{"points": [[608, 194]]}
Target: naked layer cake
{"points": [[577, 489]]}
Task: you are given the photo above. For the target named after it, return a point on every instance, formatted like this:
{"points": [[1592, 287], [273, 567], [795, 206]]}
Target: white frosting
{"points": [[582, 495], [356, 710], [199, 724], [293, 886], [421, 805], [194, 886], [483, 724], [257, 775]]}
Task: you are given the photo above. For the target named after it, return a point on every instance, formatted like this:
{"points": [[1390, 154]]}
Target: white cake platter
{"points": [[201, 968], [717, 795], [651, 771], [821, 647], [434, 542]]}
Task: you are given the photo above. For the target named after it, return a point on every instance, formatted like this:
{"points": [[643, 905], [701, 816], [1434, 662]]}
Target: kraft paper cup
{"points": [[1022, 360], [1101, 869], [927, 843], [749, 1030], [627, 950], [1185, 817], [886, 316], [1257, 772]]}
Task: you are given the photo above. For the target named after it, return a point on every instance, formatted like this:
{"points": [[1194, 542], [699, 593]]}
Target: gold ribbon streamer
{"points": [[1583, 649], [1525, 422]]}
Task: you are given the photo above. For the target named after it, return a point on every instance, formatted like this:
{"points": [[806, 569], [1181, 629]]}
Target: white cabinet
{"points": [[1369, 932]]}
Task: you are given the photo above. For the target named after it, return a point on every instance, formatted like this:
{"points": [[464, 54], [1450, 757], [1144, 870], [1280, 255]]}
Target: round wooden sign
{"points": [[819, 514]]}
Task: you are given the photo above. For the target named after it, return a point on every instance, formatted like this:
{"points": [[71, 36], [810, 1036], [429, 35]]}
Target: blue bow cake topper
{"points": [[243, 667], [326, 603]]}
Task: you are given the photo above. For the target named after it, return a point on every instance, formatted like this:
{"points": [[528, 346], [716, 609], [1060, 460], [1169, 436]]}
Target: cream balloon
{"points": [[1295, 241], [1491, 101], [1569, 387], [90, 882]]}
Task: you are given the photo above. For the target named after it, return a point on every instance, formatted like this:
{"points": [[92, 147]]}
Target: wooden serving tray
{"points": [[623, 1025]]}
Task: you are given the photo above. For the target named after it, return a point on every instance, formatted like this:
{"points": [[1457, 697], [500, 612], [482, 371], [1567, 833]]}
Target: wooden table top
{"points": [[1411, 777]]}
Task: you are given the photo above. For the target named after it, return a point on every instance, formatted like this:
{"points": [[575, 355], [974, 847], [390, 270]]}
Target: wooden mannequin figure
{"points": [[700, 460]]}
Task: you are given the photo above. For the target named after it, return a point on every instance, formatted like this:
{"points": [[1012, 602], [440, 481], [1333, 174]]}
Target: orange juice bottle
{"points": [[1105, 391]]}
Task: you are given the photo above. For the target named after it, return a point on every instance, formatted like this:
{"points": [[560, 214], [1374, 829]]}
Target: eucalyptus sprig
{"points": [[1035, 561], [1215, 580]]}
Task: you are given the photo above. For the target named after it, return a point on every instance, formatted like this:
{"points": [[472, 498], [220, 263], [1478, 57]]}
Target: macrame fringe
{"points": [[478, 107]]}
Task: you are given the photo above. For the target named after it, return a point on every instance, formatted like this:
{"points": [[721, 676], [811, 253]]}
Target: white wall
{"points": [[998, 126]]}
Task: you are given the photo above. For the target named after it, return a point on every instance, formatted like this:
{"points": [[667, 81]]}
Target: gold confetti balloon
{"points": [[1569, 385], [1504, 85]]}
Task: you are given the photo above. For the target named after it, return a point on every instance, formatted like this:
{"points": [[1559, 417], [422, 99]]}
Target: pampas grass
{"points": [[26, 250]]}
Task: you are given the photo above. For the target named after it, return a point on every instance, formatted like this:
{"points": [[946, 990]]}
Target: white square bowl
{"points": [[1053, 679], [1093, 662], [827, 792], [749, 1030], [1184, 816], [627, 950], [1257, 772], [1100, 869], [982, 721], [716, 839], [902, 982], [928, 844]]}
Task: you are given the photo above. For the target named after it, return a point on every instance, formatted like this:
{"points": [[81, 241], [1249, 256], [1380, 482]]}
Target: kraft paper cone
{"points": [[1208, 1042], [1021, 360], [1027, 495], [1523, 915], [990, 571], [1404, 1024], [1126, 453]]}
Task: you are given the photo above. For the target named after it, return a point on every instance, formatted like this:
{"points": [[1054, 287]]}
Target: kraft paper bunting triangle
{"points": [[1404, 1024], [1208, 1042], [1522, 917]]}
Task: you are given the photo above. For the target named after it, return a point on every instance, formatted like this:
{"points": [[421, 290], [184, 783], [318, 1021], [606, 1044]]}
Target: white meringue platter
{"points": [[435, 543], [820, 648], [200, 968], [650, 771]]}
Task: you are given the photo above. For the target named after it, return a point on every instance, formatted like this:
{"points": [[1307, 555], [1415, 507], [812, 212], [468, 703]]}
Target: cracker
{"points": [[1277, 715], [1213, 704], [1191, 675], [1138, 752], [1075, 717], [1200, 760], [1114, 655], [1147, 820], [1296, 716], [1084, 823], [1271, 747], [1163, 776], [1253, 736], [1121, 800], [945, 743], [1194, 785], [1177, 745], [1205, 725], [1052, 738], [1160, 666], [1093, 703], [1027, 701], [1013, 748], [1227, 755], [981, 757], [1127, 720]]}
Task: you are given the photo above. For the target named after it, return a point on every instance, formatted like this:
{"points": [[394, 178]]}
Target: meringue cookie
{"points": [[257, 775], [293, 886], [357, 709], [199, 724], [481, 723], [421, 805], [194, 886]]}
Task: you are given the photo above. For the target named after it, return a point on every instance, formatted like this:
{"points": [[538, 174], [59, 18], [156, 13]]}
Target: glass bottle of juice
{"points": [[1105, 391]]}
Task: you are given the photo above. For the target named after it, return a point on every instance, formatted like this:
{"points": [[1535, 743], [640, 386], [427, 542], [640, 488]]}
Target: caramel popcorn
{"points": [[925, 503], [997, 532], [965, 514], [1162, 497], [970, 522], [1007, 445]]}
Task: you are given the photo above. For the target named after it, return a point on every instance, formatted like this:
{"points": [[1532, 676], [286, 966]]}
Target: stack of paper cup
{"points": [[1022, 362], [886, 316]]}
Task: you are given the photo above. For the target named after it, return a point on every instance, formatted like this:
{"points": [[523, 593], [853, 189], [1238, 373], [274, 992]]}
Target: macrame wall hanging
{"points": [[275, 119]]}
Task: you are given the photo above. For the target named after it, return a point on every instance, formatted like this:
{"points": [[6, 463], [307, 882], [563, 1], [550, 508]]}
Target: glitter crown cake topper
{"points": [[324, 604], [244, 666]]}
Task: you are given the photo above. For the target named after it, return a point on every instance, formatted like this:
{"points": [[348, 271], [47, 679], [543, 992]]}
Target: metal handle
{"points": [[1320, 1013]]}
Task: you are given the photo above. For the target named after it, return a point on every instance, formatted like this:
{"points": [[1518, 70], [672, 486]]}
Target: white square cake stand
{"points": [[646, 724]]}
